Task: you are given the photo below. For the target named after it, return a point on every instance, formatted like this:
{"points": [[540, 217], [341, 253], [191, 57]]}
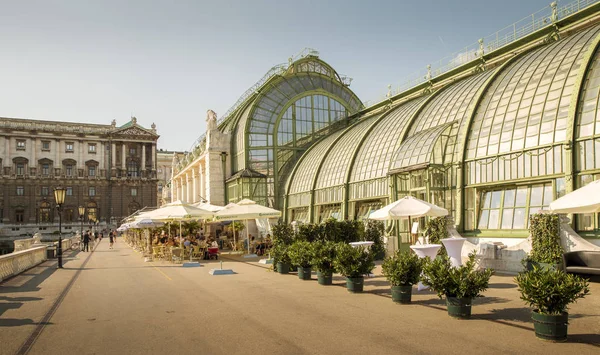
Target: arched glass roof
{"points": [[528, 104], [335, 165], [269, 106], [452, 104], [420, 148], [588, 119], [307, 168], [373, 158]]}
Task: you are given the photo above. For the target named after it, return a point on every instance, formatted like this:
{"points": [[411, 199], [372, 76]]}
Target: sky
{"points": [[168, 62]]}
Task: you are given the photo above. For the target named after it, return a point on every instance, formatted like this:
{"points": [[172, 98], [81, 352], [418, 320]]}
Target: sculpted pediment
{"points": [[135, 132]]}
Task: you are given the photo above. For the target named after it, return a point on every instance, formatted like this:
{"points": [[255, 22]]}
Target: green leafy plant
{"points": [[282, 234], [300, 253], [308, 232], [351, 231], [373, 233], [403, 268], [282, 239], [550, 291], [461, 282], [436, 230], [545, 238], [330, 230], [323, 254], [279, 253], [352, 262]]}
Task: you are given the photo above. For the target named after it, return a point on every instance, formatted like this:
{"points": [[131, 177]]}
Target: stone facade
{"points": [[163, 172], [108, 169], [202, 178]]}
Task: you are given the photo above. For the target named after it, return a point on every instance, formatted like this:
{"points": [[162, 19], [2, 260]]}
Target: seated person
{"points": [[187, 243], [214, 244]]}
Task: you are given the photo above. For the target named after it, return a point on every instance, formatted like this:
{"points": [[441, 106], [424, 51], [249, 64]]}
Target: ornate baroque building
{"points": [[109, 170]]}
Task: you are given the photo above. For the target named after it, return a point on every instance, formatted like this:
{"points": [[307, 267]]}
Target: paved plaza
{"points": [[112, 302]]}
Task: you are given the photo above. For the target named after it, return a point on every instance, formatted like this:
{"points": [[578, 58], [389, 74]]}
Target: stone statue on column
{"points": [[211, 120]]}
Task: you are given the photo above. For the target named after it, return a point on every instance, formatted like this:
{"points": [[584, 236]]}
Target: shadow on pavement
{"points": [[11, 322], [519, 314], [592, 339], [502, 285]]}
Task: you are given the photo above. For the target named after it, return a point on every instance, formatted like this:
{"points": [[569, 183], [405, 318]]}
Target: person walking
{"points": [[86, 241], [111, 238]]}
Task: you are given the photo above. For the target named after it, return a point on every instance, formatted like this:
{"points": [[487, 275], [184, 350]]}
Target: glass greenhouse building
{"points": [[493, 139]]}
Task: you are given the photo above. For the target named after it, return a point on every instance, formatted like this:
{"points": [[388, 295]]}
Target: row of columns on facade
{"points": [[124, 155], [189, 187]]}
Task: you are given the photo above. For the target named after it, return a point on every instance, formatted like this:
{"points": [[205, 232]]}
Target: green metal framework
{"points": [[493, 144], [285, 116]]}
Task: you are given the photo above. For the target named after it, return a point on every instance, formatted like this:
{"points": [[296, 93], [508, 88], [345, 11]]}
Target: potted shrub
{"points": [[373, 233], [281, 258], [458, 284], [546, 250], [282, 238], [300, 253], [436, 230], [402, 270], [548, 292], [353, 263], [323, 253]]}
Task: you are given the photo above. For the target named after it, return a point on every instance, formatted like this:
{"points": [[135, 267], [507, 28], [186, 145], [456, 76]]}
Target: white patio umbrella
{"points": [[583, 200], [177, 211], [408, 207], [245, 210], [146, 223], [208, 206]]}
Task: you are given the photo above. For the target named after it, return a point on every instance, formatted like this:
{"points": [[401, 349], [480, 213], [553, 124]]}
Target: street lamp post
{"points": [[59, 198], [81, 214]]}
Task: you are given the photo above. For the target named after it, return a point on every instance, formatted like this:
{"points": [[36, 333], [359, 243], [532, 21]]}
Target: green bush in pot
{"points": [[458, 284], [403, 270], [301, 255], [353, 263], [282, 239], [546, 248], [549, 292], [374, 233], [323, 256]]}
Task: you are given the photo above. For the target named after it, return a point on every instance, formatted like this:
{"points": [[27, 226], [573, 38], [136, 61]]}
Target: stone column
{"points": [[144, 158], [57, 148], [7, 159], [194, 186], [153, 156], [113, 152], [81, 159], [201, 181], [124, 157], [173, 190], [33, 154]]}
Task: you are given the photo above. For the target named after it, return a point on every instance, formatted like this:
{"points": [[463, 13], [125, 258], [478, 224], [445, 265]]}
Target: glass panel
{"points": [[494, 219], [507, 216], [548, 196], [536, 195], [496, 199], [509, 198], [483, 220], [519, 218]]}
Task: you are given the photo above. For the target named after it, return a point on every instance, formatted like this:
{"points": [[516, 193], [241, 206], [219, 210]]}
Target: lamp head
{"points": [[59, 195]]}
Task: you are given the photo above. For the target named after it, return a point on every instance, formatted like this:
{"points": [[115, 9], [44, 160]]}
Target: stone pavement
{"points": [[112, 302]]}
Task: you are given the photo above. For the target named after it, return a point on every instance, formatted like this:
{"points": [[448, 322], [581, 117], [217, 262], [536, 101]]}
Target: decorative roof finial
{"points": [[113, 123], [211, 120], [134, 120], [153, 126]]}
